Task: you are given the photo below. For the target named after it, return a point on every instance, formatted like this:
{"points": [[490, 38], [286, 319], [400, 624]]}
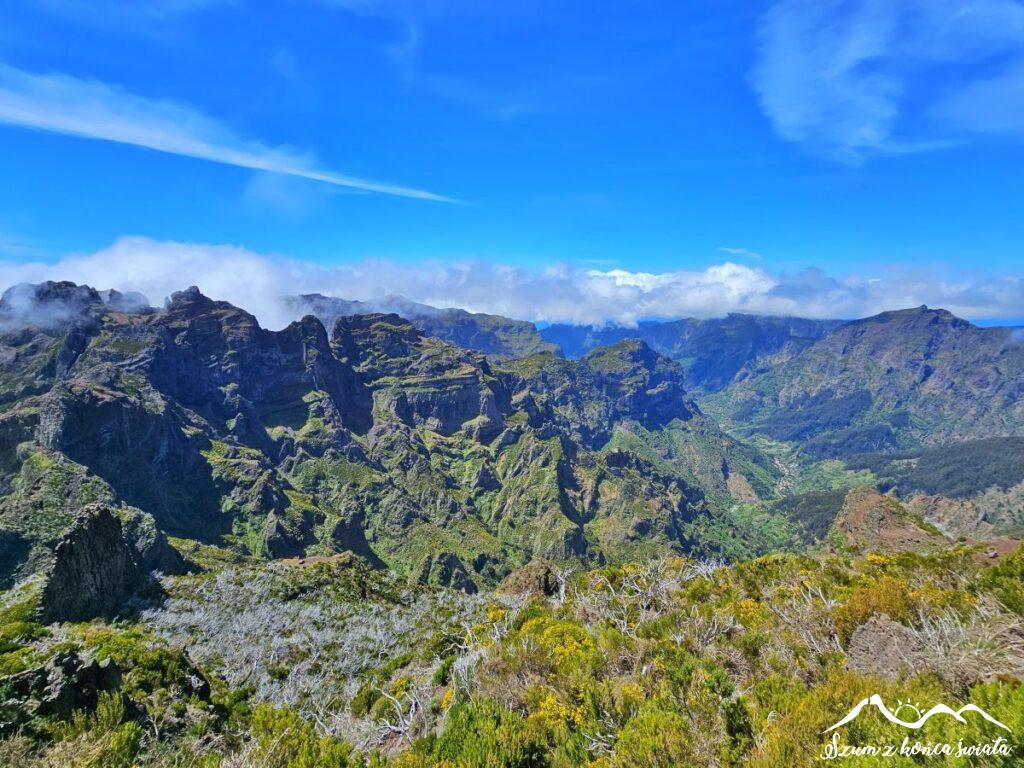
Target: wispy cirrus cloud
{"points": [[152, 10], [558, 293], [13, 246], [59, 103], [848, 77], [742, 252], [502, 103], [991, 104]]}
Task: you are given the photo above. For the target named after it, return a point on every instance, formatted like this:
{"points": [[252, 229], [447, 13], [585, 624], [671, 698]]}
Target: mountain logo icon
{"points": [[939, 709]]}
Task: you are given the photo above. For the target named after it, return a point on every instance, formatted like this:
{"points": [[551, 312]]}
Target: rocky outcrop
{"points": [[93, 571], [643, 385], [870, 521], [589, 396], [442, 405], [148, 545], [536, 579], [215, 358], [64, 684], [885, 648], [418, 381]]}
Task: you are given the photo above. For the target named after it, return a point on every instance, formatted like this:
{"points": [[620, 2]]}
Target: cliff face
{"points": [[93, 570], [493, 335], [626, 381]]}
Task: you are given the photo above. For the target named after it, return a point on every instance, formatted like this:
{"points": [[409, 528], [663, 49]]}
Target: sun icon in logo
{"points": [[908, 705]]}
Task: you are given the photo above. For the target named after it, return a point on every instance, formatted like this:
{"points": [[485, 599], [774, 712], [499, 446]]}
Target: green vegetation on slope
{"points": [[664, 663]]}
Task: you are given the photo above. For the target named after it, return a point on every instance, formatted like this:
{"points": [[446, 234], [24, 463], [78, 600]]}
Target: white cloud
{"points": [[90, 109], [840, 75], [560, 293]]}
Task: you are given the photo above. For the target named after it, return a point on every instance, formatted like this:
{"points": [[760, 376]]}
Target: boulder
{"points": [[884, 648], [65, 683]]}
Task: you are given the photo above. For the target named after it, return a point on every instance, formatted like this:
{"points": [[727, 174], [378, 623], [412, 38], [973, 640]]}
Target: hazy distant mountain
{"points": [[896, 380], [713, 352], [493, 335]]}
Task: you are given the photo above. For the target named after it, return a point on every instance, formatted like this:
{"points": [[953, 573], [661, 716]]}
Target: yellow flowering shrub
{"points": [[751, 613], [886, 595], [564, 644]]}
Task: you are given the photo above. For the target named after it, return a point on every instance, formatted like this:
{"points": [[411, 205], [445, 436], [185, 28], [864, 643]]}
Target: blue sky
{"points": [[631, 158]]}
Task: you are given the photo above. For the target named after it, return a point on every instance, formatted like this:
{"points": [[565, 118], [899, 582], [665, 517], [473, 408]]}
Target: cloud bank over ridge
{"points": [[559, 293]]}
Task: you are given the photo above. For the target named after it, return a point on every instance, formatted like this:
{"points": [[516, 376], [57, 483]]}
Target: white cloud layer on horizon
{"points": [[852, 78], [560, 293], [58, 103]]}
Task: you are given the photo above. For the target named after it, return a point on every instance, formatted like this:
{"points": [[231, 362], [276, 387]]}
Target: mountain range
{"points": [[715, 352], [194, 422], [494, 335], [902, 379], [399, 440]]}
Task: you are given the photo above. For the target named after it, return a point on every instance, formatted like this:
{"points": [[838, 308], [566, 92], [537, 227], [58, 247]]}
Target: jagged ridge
{"points": [[409, 451]]}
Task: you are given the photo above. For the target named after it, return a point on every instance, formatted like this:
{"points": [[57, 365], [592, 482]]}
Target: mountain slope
{"points": [[899, 379], [713, 352], [973, 488], [871, 522]]}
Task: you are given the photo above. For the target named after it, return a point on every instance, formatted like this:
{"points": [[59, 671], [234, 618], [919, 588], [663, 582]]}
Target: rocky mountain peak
{"points": [[50, 305], [191, 303], [914, 317], [385, 335], [627, 353], [130, 302]]}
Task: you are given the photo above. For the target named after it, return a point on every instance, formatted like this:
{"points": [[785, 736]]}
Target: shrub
{"points": [[96, 740], [656, 738], [1006, 581], [563, 646], [483, 734], [795, 739], [886, 595], [282, 739]]}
